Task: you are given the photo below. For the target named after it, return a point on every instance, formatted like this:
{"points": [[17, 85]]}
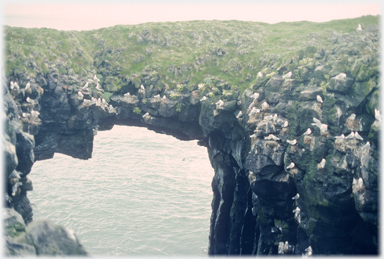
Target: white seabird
{"points": [[255, 96], [80, 94], [366, 145], [352, 117], [340, 137], [99, 100], [239, 115], [219, 104], [292, 142], [165, 97], [308, 251], [296, 197], [27, 86], [15, 174], [285, 125], [201, 100], [127, 94], [360, 183], [377, 115], [14, 188], [357, 136], [274, 118], [308, 132], [142, 87], [358, 27], [292, 165], [98, 88], [103, 101], [264, 105], [35, 114], [272, 137], [316, 123], [296, 211], [322, 163], [287, 75], [351, 135], [319, 99], [14, 85], [24, 114], [259, 74], [251, 105], [254, 111]]}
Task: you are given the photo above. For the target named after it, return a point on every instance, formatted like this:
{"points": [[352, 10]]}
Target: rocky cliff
{"points": [[289, 114]]}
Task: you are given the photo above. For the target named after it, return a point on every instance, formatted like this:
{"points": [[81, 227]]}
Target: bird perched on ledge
{"points": [[272, 137], [308, 132], [319, 99], [292, 165], [292, 142]]}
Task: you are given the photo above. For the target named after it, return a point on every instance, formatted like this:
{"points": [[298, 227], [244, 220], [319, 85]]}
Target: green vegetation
{"points": [[177, 55], [137, 110]]}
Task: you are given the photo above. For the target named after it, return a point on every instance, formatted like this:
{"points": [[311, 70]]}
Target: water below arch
{"points": [[141, 193]]}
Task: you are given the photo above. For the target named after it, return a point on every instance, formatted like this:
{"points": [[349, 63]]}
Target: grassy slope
{"points": [[189, 46]]}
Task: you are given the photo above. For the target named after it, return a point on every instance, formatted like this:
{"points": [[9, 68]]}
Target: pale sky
{"points": [[87, 15]]}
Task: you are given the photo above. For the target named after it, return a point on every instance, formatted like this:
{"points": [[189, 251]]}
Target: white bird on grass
{"points": [[127, 94], [358, 27], [201, 100], [142, 87], [285, 125], [28, 85], [319, 99]]}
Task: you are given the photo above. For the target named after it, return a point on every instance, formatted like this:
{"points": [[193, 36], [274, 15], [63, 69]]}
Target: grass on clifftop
{"points": [[178, 51]]}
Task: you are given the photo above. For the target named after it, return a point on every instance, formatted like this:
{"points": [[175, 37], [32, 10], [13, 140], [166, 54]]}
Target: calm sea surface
{"points": [[141, 193]]}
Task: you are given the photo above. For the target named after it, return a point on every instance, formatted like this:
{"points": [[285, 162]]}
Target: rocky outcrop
{"points": [[40, 238], [295, 153]]}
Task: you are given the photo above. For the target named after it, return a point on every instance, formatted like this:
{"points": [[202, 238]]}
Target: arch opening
{"points": [[154, 200]]}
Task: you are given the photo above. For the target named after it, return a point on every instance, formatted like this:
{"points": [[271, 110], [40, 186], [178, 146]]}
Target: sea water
{"points": [[141, 193]]}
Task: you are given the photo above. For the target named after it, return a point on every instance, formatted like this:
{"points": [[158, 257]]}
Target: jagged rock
{"points": [[50, 239]]}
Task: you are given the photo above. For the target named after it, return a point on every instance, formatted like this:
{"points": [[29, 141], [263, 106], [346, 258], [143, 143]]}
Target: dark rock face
{"points": [[257, 140]]}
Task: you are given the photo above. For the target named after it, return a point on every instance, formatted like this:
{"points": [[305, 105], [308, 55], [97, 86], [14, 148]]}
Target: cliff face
{"points": [[278, 188]]}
